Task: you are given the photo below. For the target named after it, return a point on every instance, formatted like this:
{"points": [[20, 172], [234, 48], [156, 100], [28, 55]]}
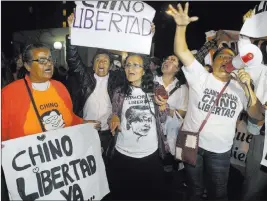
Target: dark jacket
{"points": [[160, 116], [6, 76], [86, 80]]}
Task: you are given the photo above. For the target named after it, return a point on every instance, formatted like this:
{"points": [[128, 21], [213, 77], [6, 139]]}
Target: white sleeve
{"points": [[254, 129], [184, 98], [195, 73]]}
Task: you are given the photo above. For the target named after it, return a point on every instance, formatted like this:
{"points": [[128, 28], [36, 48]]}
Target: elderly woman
{"points": [[136, 171], [36, 104]]}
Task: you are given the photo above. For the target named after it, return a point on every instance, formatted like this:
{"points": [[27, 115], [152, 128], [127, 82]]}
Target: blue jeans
{"points": [[211, 171]]}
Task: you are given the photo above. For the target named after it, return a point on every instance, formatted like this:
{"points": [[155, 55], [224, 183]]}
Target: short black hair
{"points": [[102, 51], [47, 113], [27, 53], [221, 49]]}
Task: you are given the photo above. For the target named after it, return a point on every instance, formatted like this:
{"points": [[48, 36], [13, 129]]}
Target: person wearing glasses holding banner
{"points": [[36, 103]]}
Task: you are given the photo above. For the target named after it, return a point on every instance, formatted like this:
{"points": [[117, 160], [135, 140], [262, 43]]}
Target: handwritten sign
{"points": [[255, 26], [65, 164], [240, 146], [114, 25]]}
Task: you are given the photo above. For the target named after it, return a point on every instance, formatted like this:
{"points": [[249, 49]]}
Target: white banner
{"points": [[240, 146], [114, 25], [264, 156], [255, 26], [65, 164]]}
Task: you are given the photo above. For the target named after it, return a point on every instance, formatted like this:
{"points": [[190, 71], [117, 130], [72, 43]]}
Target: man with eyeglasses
{"points": [[94, 86], [19, 115], [51, 98]]}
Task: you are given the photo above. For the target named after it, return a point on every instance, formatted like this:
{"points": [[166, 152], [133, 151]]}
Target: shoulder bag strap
{"points": [[213, 106], [174, 89], [34, 105]]}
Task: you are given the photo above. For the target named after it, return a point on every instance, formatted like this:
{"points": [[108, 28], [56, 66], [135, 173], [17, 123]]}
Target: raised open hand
{"points": [[180, 16]]}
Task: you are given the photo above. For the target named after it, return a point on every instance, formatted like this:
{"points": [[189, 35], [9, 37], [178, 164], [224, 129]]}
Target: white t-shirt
{"points": [[98, 105], [218, 133], [138, 136], [179, 98]]}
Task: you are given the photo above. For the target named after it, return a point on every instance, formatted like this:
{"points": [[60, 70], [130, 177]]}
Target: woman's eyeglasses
{"points": [[128, 65]]}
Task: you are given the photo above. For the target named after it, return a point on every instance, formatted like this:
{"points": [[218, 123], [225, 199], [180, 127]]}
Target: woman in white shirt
{"points": [[136, 170], [173, 79]]}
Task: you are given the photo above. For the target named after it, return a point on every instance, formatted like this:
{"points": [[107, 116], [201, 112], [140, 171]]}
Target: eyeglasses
{"points": [[128, 65], [44, 61]]}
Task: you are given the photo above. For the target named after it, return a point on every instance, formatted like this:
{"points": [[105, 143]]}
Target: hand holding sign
{"points": [[70, 21], [180, 16], [97, 124]]}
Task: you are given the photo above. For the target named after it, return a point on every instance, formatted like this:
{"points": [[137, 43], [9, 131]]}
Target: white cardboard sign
{"points": [[113, 25], [255, 26], [65, 164]]}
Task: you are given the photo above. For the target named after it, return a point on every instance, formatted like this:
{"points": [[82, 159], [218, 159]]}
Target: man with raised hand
{"points": [[216, 138]]}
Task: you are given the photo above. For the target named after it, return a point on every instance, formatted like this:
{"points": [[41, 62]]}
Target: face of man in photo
{"points": [[142, 125]]}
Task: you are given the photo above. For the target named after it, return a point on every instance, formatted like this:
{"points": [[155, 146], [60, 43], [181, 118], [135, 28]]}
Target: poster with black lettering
{"points": [[264, 156], [255, 26], [226, 107], [240, 146], [64, 164], [113, 25]]}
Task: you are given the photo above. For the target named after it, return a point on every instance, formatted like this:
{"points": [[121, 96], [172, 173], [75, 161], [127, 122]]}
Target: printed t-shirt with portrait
{"points": [[138, 136], [52, 109], [218, 133], [53, 103]]}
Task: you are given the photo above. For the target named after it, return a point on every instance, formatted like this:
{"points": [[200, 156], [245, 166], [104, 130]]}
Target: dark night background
{"points": [[16, 16]]}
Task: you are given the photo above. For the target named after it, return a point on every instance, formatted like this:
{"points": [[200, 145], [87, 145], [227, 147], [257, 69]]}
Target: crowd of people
{"points": [[145, 104]]}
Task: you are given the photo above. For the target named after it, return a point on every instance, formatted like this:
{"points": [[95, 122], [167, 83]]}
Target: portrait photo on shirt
{"points": [[52, 120], [139, 119]]}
